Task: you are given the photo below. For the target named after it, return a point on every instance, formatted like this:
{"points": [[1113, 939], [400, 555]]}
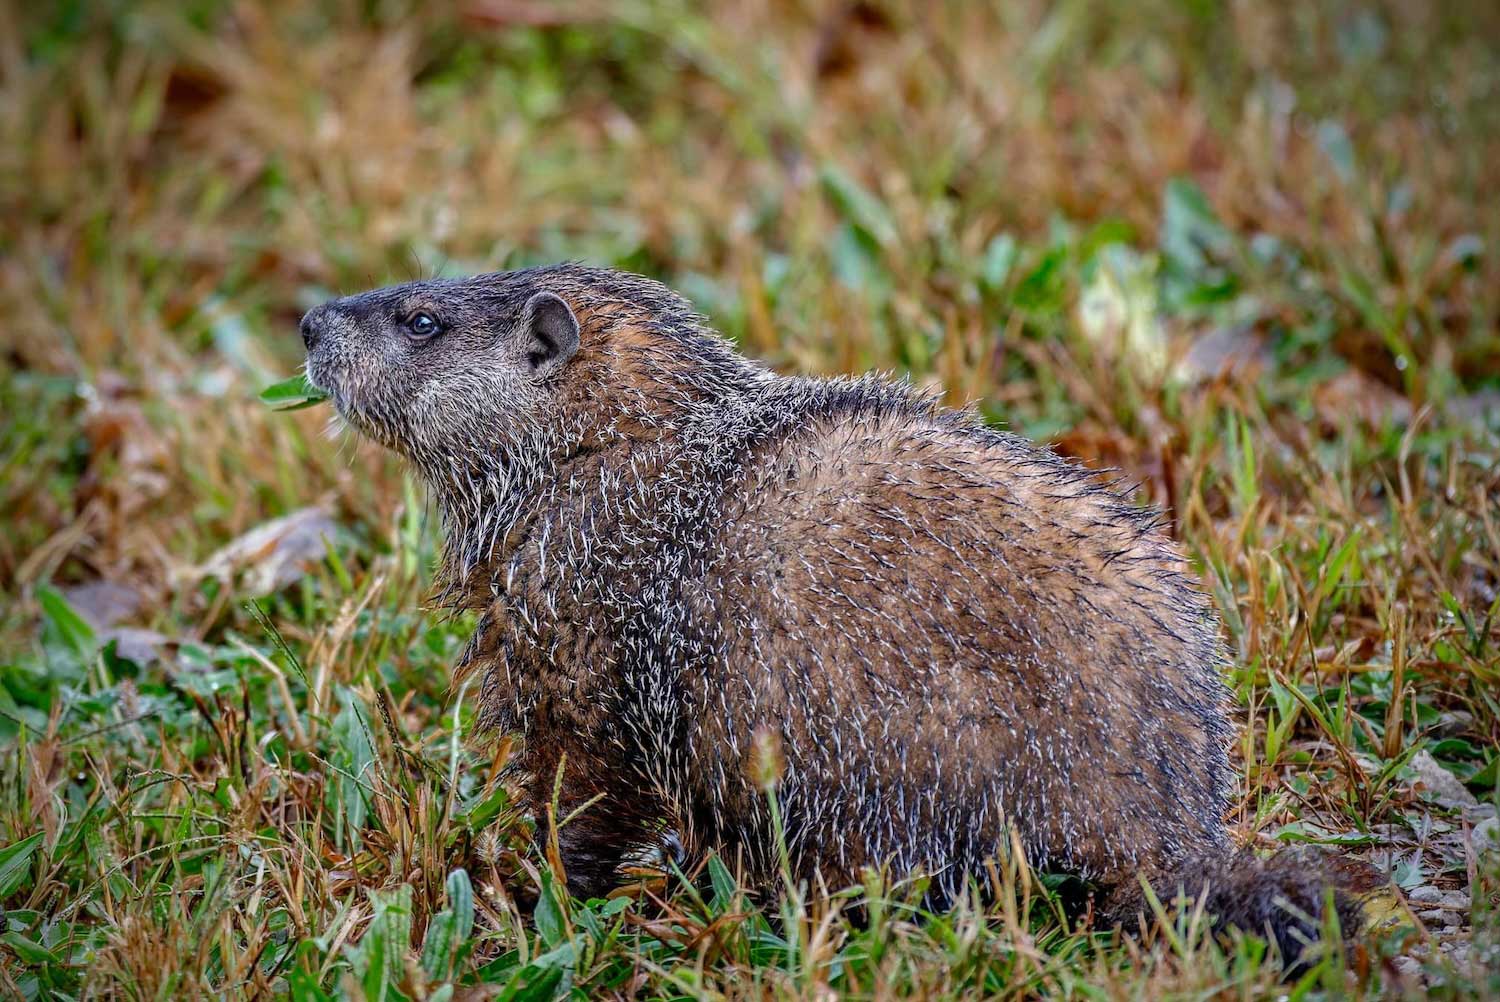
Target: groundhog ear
{"points": [[553, 332]]}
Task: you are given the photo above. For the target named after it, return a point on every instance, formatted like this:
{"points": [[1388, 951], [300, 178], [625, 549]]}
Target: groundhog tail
{"points": [[1283, 898]]}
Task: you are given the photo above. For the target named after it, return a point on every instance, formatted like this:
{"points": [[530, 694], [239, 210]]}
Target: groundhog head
{"points": [[436, 368]]}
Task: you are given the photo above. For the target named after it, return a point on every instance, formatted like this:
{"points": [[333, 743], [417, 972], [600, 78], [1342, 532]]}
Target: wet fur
{"points": [[951, 631]]}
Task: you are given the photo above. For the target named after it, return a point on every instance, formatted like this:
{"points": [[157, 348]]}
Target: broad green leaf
{"points": [[482, 813], [30, 951], [547, 986], [379, 958], [1194, 244], [15, 863], [1487, 776], [547, 977], [438, 945], [449, 929], [292, 394], [65, 629], [461, 901], [551, 924]]}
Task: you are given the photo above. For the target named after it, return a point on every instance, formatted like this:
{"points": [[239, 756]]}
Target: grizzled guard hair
{"points": [[953, 633]]}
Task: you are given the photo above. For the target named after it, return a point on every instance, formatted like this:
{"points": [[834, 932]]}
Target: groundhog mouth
{"points": [[328, 387], [361, 422], [310, 374], [343, 404]]}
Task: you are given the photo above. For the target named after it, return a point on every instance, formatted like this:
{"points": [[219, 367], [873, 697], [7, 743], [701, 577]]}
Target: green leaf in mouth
{"points": [[292, 394]]}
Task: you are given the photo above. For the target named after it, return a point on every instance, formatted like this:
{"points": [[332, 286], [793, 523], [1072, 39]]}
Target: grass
{"points": [[1247, 253]]}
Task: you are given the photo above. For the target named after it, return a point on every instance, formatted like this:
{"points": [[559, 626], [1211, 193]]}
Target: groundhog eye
{"points": [[422, 325]]}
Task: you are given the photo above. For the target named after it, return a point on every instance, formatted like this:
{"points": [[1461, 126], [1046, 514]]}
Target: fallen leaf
{"points": [[103, 603], [1441, 786], [1232, 351], [133, 643], [272, 556]]}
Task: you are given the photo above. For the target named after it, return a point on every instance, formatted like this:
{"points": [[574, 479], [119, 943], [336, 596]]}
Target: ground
{"points": [[1246, 253]]}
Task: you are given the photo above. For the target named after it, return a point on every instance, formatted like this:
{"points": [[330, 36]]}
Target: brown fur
{"points": [[952, 633]]}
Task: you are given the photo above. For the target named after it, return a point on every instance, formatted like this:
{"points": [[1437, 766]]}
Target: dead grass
{"points": [[1245, 252]]}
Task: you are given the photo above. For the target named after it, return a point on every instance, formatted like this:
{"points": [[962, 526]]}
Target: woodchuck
{"points": [[953, 633]]}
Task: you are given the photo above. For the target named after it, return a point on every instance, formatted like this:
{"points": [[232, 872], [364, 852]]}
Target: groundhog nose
{"points": [[312, 325]]}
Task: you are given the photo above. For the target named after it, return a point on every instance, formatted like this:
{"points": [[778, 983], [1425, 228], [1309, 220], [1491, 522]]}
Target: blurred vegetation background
{"points": [[1246, 252]]}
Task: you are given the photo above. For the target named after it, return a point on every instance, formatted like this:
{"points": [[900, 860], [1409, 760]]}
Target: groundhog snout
{"points": [[314, 326]]}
